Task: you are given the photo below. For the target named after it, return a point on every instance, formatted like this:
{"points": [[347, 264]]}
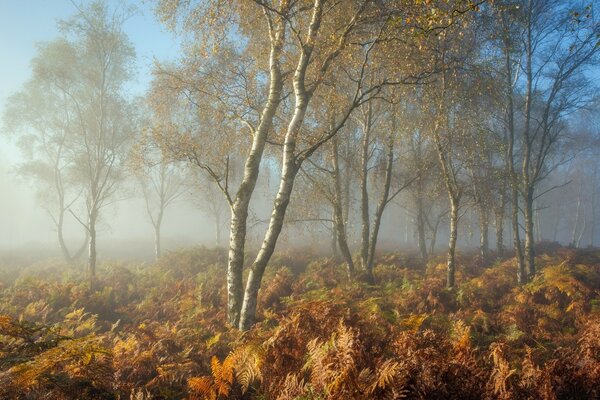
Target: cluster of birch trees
{"points": [[452, 110]]}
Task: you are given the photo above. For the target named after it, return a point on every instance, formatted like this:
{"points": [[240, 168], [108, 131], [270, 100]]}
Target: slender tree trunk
{"points": [[434, 233], [484, 224], [282, 199], [286, 183], [583, 228], [577, 218], [157, 246], [257, 270], [538, 223], [339, 211], [499, 224], [382, 205], [421, 229], [451, 265], [218, 239], [157, 229], [239, 208], [61, 240], [334, 238], [593, 205], [364, 191], [529, 233], [528, 185], [521, 273], [92, 249], [510, 163]]}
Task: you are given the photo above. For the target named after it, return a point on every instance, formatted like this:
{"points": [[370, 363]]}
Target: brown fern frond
{"points": [[202, 386], [247, 362], [501, 372]]}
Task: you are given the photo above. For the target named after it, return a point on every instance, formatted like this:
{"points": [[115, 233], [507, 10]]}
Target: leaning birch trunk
{"points": [[451, 265], [510, 163], [499, 224], [157, 247], [593, 205], [282, 199], [61, 239], [291, 162], [483, 231], [583, 228], [334, 238], [521, 273], [218, 241], [529, 233], [381, 206], [92, 249], [340, 225], [289, 170], [577, 218], [157, 227], [421, 230], [434, 232], [257, 270], [364, 191], [239, 208], [528, 186]]}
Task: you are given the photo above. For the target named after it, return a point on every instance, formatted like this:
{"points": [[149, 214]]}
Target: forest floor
{"points": [[159, 331]]}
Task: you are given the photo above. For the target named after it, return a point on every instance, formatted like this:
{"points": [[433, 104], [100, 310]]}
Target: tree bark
{"points": [[157, 244], [288, 174], [529, 233], [339, 219], [239, 208], [499, 223], [484, 224], [382, 205], [510, 163], [334, 238], [218, 240], [521, 273], [92, 256], [364, 190], [434, 232], [451, 265], [421, 228], [573, 242], [593, 205]]}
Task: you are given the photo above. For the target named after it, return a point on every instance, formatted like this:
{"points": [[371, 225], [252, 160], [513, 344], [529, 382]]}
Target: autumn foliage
{"points": [[160, 332]]}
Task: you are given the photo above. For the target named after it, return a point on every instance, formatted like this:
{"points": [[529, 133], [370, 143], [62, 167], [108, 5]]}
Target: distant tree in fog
{"points": [[209, 199], [161, 182], [86, 122], [42, 118]]}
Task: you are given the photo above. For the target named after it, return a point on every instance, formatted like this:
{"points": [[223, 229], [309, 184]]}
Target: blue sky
{"points": [[23, 23]]}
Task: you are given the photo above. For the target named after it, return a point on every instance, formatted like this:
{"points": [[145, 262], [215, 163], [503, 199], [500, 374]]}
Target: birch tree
{"points": [[560, 41], [42, 118], [103, 116]]}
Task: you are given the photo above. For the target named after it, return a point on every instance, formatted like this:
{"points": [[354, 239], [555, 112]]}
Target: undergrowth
{"points": [[159, 331]]}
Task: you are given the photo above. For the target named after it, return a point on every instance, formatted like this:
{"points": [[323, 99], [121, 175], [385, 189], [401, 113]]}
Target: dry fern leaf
{"points": [[247, 362], [202, 386]]}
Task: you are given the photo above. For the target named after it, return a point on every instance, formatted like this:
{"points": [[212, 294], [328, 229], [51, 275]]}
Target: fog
{"points": [[125, 230]]}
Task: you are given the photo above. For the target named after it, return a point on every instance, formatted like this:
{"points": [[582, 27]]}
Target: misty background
{"points": [[125, 230], [25, 224]]}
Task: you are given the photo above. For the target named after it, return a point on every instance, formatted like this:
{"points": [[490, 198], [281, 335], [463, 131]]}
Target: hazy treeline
{"points": [[360, 121]]}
